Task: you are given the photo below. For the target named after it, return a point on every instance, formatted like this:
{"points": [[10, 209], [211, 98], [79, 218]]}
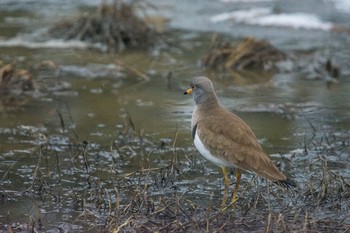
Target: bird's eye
{"points": [[192, 87]]}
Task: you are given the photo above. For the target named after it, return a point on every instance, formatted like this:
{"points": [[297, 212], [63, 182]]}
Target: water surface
{"points": [[127, 122]]}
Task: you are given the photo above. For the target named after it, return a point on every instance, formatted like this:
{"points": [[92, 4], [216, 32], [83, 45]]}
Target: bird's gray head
{"points": [[203, 90]]}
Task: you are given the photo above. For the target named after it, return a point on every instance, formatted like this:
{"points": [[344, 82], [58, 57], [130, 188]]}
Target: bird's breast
{"points": [[206, 153]]}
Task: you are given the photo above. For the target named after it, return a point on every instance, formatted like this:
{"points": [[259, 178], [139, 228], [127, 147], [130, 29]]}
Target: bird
{"points": [[226, 140]]}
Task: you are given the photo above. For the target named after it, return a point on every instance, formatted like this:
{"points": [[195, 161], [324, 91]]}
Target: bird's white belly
{"points": [[206, 153]]}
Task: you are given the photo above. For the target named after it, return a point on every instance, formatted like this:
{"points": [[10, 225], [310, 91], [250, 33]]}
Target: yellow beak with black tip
{"points": [[188, 91]]}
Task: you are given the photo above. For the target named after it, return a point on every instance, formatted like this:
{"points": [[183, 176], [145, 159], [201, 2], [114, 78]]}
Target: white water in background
{"points": [[266, 17], [247, 1], [342, 5], [22, 42]]}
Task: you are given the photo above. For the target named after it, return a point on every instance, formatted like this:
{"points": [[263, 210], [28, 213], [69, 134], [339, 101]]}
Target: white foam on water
{"points": [[342, 5], [248, 1], [266, 17], [241, 16], [296, 20], [54, 43]]}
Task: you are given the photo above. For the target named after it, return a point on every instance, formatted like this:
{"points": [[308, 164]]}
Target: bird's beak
{"points": [[188, 91]]}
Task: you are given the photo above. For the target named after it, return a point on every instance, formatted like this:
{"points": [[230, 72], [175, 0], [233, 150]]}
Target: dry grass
{"points": [[116, 26], [246, 55]]}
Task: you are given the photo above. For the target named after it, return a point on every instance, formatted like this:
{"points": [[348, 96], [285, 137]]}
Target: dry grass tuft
{"points": [[246, 55], [116, 26]]}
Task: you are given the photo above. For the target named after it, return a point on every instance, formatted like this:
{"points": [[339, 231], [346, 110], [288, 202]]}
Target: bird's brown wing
{"points": [[228, 137]]}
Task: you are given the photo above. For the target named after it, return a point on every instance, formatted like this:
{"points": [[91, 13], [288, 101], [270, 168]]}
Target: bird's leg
{"points": [[238, 180], [226, 178], [227, 184]]}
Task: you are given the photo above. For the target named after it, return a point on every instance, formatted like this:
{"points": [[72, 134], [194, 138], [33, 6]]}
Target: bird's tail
{"points": [[287, 183]]}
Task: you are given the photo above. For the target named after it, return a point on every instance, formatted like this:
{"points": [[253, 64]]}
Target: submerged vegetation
{"points": [[16, 87]]}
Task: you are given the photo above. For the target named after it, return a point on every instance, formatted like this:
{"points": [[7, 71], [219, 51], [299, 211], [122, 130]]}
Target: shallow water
{"points": [[98, 99]]}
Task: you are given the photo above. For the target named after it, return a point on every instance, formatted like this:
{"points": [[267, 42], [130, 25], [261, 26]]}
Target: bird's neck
{"points": [[205, 98], [208, 105]]}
